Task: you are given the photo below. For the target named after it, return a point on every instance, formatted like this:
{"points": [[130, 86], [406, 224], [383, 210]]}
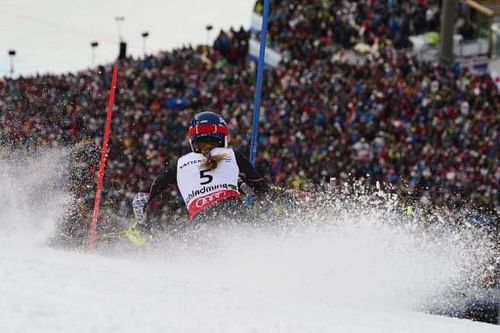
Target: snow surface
{"points": [[54, 35], [44, 290], [346, 271]]}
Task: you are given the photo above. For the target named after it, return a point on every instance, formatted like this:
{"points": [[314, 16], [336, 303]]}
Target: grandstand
{"points": [[431, 131], [349, 99]]}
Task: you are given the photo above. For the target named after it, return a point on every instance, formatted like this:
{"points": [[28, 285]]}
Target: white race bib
{"points": [[202, 189]]}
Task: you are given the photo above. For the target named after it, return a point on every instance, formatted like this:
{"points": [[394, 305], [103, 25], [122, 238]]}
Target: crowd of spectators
{"points": [[430, 131], [346, 23]]}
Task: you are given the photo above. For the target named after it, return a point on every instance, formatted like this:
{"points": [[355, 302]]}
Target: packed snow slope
{"points": [[336, 268]]}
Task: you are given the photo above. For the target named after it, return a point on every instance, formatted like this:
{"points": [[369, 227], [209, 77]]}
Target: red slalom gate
{"points": [[102, 164]]}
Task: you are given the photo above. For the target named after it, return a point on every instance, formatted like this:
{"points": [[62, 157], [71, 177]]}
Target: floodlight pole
{"points": [[93, 46], [12, 54], [119, 20], [208, 28], [144, 35]]}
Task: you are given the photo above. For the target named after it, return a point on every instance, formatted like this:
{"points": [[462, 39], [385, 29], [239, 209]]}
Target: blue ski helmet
{"points": [[208, 124]]}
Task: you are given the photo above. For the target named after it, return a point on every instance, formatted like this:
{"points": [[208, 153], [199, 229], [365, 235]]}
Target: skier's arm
{"points": [[142, 200], [251, 176], [161, 183]]}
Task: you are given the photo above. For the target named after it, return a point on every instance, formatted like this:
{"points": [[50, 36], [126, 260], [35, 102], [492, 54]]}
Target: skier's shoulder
{"points": [[242, 161], [166, 176], [222, 150], [228, 154]]}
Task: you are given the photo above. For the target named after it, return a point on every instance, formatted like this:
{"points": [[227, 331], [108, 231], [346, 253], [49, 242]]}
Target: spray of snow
{"points": [[339, 260], [347, 250], [33, 196]]}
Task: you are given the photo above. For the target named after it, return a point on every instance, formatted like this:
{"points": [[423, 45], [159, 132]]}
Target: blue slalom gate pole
{"points": [[258, 89]]}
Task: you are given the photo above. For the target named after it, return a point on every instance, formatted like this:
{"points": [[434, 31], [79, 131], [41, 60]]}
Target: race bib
{"points": [[202, 189]]}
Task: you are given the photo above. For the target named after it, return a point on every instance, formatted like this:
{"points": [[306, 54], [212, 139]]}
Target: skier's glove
{"points": [[138, 203]]}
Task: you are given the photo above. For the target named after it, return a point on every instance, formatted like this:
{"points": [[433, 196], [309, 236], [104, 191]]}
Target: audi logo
{"points": [[203, 201]]}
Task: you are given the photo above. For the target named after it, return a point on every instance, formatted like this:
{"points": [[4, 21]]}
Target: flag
{"points": [[272, 58]]}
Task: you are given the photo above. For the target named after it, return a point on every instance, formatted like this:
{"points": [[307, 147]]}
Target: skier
{"points": [[207, 177]]}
